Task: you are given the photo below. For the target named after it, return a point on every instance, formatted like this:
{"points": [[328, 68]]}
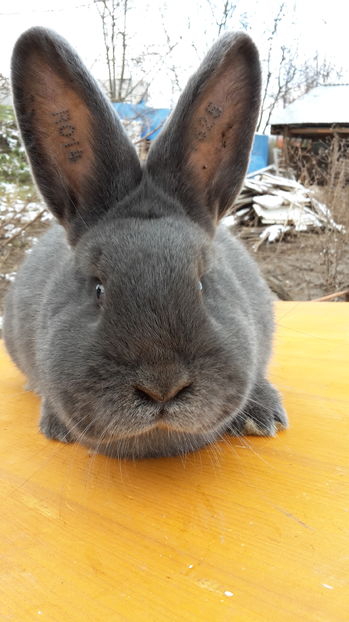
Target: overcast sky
{"points": [[309, 26]]}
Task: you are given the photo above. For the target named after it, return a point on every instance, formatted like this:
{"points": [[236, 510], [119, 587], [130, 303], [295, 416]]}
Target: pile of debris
{"points": [[280, 205]]}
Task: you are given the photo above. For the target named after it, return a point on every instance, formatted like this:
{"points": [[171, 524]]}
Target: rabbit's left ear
{"points": [[202, 154]]}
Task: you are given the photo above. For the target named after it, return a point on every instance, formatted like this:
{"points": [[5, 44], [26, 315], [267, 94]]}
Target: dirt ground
{"points": [[303, 266]]}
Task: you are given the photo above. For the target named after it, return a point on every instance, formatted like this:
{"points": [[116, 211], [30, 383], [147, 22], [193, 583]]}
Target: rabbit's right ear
{"points": [[202, 154], [80, 155]]}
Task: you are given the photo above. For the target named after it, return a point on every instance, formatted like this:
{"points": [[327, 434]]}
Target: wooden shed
{"points": [[315, 131]]}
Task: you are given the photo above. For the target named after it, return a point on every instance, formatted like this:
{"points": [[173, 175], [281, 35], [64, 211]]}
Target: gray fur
{"points": [[149, 241]]}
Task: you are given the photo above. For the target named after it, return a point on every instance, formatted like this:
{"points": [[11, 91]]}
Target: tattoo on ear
{"points": [[214, 110], [206, 123], [67, 131]]}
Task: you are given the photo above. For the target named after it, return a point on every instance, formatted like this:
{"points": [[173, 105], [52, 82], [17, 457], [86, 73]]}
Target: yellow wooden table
{"points": [[248, 530]]}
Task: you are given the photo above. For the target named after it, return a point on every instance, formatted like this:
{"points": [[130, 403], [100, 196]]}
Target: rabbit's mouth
{"points": [[158, 425], [191, 421], [158, 441], [164, 428]]}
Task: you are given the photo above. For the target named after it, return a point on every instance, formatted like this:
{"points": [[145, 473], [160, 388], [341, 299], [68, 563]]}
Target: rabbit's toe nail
{"points": [[281, 419], [251, 427]]}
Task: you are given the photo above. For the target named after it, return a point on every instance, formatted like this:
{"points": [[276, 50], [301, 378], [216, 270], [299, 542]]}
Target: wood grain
{"points": [[249, 530]]}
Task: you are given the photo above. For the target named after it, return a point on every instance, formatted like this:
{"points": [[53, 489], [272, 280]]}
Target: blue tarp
{"points": [[151, 119], [259, 154]]}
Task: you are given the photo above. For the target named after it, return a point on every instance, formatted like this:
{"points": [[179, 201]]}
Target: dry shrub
{"points": [[323, 166], [335, 194]]}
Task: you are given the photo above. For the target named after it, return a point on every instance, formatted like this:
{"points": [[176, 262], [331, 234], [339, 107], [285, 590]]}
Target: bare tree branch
{"points": [[280, 14], [124, 47], [4, 87], [223, 16]]}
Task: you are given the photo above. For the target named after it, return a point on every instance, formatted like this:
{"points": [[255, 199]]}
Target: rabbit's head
{"points": [[146, 345]]}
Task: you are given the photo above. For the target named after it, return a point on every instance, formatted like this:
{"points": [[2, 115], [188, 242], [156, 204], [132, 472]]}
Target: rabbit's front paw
{"points": [[51, 426], [263, 415]]}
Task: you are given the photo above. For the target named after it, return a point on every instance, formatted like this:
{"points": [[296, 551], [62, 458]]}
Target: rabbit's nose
{"points": [[156, 395]]}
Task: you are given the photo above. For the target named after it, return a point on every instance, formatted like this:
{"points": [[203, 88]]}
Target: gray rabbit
{"points": [[143, 325]]}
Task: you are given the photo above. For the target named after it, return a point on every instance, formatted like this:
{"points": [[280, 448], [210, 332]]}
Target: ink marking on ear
{"points": [[67, 130], [63, 116], [75, 142], [225, 136], [206, 123], [214, 110], [75, 155], [204, 127]]}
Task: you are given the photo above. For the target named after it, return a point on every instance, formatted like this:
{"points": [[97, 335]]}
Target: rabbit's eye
{"points": [[99, 292], [200, 286]]}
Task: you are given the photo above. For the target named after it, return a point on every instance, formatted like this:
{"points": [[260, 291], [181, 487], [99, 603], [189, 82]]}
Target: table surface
{"points": [[253, 529]]}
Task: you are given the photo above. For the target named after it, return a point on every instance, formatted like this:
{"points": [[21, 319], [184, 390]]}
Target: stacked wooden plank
{"points": [[279, 205]]}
